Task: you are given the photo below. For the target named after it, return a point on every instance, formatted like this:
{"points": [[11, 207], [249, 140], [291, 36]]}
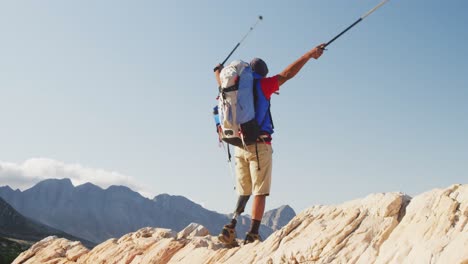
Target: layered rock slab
{"points": [[381, 228]]}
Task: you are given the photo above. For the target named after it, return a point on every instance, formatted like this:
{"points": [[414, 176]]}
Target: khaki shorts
{"points": [[250, 180]]}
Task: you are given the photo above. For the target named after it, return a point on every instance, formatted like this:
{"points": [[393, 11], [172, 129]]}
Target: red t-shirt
{"points": [[269, 86]]}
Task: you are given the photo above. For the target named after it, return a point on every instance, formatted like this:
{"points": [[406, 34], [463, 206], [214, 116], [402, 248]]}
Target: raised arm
{"points": [[296, 66], [217, 71]]}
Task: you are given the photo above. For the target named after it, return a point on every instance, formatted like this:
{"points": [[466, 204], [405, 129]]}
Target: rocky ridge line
{"points": [[380, 228]]}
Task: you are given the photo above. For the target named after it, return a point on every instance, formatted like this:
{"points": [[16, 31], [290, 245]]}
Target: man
{"points": [[254, 162]]}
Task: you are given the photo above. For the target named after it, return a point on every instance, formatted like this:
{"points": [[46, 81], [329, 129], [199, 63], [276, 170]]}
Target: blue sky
{"points": [[128, 87]]}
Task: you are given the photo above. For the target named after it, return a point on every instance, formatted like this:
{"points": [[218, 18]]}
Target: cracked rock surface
{"points": [[380, 228]]}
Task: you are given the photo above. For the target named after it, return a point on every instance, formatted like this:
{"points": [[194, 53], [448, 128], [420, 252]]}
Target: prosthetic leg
{"points": [[240, 207], [228, 234]]}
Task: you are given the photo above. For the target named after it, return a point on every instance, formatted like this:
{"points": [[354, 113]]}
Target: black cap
{"points": [[259, 67]]}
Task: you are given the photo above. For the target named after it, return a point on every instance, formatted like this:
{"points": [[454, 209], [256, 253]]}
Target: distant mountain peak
{"points": [[175, 200], [7, 188], [62, 183], [88, 185], [286, 208], [165, 196], [278, 217], [162, 195], [120, 188]]}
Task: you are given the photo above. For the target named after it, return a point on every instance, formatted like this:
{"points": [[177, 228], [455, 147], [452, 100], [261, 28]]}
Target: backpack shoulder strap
{"points": [[271, 118], [255, 94], [257, 78]]}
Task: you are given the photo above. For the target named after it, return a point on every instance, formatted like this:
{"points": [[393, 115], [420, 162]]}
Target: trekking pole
{"points": [[230, 166], [355, 23], [238, 44]]}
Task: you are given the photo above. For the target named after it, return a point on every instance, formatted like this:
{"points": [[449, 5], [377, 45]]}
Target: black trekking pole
{"points": [[238, 44], [355, 23]]}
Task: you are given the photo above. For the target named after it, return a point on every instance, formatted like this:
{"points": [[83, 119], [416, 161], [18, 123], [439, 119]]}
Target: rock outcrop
{"points": [[381, 228]]}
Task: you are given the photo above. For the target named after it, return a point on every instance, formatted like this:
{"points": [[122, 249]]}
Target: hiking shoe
{"points": [[228, 235], [251, 237]]}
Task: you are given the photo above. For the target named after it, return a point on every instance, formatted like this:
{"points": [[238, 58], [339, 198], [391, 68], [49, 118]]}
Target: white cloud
{"points": [[32, 171]]}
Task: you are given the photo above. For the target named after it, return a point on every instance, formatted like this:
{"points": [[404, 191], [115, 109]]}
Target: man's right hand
{"points": [[317, 51]]}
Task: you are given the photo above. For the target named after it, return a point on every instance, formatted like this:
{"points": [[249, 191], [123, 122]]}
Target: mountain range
{"points": [[95, 214]]}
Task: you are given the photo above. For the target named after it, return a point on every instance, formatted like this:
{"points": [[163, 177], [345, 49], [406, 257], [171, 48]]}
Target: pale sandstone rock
{"points": [[52, 250], [128, 247], [193, 230], [434, 229], [381, 228]]}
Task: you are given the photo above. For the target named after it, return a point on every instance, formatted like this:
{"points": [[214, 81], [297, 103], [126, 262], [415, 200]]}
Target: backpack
{"points": [[236, 105]]}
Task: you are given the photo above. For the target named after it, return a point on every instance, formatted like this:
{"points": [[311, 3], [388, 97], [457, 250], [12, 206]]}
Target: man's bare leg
{"points": [[258, 207]]}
